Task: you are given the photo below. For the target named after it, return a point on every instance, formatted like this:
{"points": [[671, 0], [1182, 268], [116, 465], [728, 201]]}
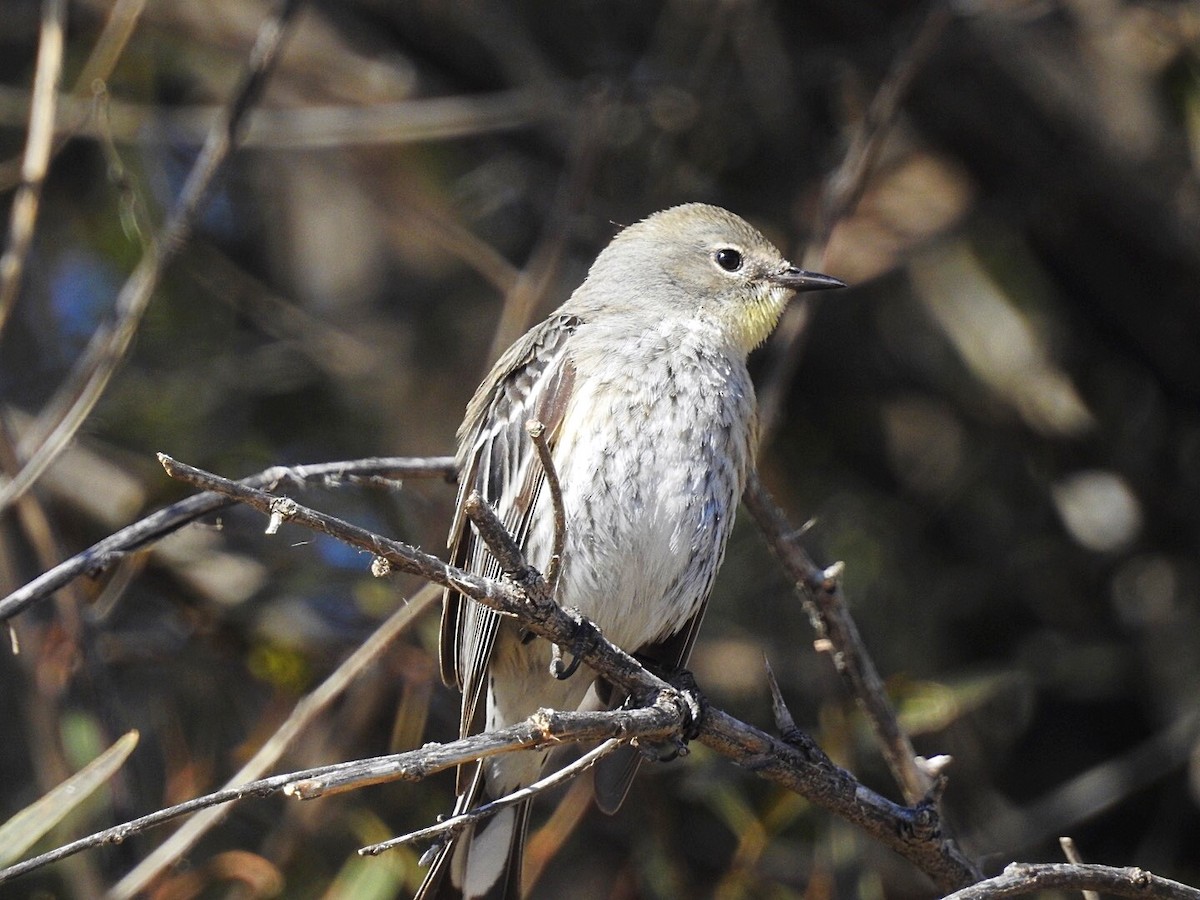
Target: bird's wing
{"points": [[534, 379]]}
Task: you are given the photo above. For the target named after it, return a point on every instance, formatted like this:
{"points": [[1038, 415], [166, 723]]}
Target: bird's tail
{"points": [[482, 863]]}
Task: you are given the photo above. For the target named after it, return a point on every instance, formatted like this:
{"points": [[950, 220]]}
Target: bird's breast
{"points": [[652, 455]]}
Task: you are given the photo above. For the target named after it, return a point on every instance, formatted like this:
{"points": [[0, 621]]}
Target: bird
{"points": [[640, 383]]}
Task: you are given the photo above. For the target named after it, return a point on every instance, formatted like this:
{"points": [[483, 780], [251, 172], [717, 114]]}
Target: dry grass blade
{"points": [[25, 828]]}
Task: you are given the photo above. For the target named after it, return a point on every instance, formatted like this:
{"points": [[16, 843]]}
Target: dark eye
{"points": [[728, 259]]}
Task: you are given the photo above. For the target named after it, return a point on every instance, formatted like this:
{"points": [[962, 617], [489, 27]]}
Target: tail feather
{"points": [[482, 863]]}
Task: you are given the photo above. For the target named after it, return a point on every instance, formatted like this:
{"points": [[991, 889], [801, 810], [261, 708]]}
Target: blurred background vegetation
{"points": [[997, 427]]}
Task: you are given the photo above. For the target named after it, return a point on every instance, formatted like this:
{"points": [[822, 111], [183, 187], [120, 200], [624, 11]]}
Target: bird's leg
{"points": [[689, 694], [582, 640]]}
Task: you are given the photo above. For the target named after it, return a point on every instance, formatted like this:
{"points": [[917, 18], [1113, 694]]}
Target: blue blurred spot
{"points": [[82, 290]]}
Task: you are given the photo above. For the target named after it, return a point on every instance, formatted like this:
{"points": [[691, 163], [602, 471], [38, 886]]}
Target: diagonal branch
{"points": [[452, 827], [837, 634]]}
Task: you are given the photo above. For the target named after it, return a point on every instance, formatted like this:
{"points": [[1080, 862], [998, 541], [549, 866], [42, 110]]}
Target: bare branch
{"points": [[1023, 878], [845, 186], [801, 766], [836, 632], [523, 599], [537, 431], [158, 525]]}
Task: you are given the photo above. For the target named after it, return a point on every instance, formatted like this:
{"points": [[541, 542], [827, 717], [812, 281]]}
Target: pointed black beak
{"points": [[799, 280]]}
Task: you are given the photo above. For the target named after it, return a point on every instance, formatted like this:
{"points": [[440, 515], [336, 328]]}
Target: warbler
{"points": [[640, 382]]}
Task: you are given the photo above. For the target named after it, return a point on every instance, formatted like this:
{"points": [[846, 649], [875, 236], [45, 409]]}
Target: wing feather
{"points": [[533, 379]]}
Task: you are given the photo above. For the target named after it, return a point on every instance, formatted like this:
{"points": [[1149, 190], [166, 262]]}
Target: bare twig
{"points": [[784, 723], [1072, 854], [836, 632], [76, 398], [158, 525], [537, 431], [455, 824], [1022, 878], [37, 153], [845, 187], [521, 597]]}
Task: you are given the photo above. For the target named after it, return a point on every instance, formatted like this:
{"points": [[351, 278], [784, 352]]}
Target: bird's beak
{"points": [[800, 280]]}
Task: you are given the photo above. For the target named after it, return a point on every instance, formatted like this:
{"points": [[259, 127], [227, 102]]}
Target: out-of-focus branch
{"points": [[843, 190], [76, 398], [122, 17], [37, 153]]}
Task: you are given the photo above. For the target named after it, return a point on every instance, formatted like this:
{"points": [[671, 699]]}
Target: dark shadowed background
{"points": [[997, 428]]}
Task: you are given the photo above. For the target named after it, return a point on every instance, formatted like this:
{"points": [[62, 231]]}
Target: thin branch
{"points": [[37, 153], [1024, 878], [77, 397], [1072, 855], [845, 187], [537, 432], [836, 632], [158, 525], [454, 826]]}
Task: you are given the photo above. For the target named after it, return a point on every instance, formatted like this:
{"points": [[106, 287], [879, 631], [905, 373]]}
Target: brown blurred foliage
{"points": [[997, 428]]}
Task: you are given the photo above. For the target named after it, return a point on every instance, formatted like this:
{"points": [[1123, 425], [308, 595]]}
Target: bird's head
{"points": [[700, 261]]}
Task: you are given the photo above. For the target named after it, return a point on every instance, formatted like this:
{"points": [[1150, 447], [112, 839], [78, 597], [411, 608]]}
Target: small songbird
{"points": [[640, 381]]}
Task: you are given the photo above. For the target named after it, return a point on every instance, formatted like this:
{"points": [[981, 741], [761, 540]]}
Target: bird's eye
{"points": [[728, 259]]}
